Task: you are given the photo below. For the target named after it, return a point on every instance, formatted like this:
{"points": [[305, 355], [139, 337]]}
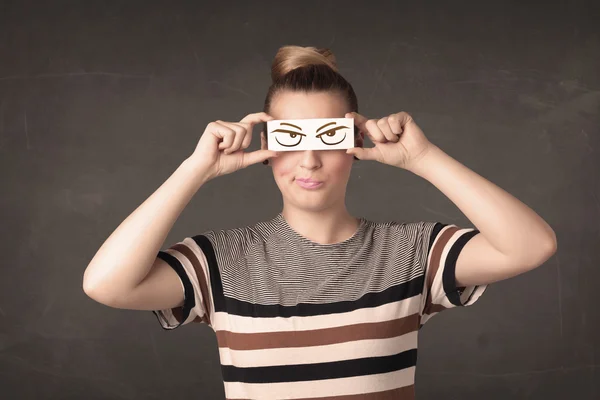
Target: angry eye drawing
{"points": [[289, 135], [332, 133], [330, 137]]}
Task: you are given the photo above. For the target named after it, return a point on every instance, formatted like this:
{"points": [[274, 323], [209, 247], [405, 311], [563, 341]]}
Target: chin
{"points": [[314, 201]]}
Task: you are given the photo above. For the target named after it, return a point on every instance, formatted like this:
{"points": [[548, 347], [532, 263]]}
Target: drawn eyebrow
{"points": [[295, 126], [325, 126]]}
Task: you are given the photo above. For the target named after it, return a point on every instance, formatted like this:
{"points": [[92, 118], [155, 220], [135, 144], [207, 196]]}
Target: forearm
{"points": [[509, 225], [128, 254]]}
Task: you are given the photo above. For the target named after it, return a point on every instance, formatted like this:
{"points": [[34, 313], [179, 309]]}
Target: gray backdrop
{"points": [[100, 101]]}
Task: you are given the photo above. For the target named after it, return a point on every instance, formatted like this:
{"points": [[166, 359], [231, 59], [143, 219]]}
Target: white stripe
{"points": [[321, 388], [386, 312]]}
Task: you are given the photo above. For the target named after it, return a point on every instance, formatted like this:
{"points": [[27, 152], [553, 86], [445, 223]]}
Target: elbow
{"points": [[552, 243], [547, 251], [94, 293], [551, 246], [89, 290], [98, 292]]}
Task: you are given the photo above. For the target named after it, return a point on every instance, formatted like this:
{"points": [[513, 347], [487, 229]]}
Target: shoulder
{"points": [[410, 232], [235, 241], [405, 242]]}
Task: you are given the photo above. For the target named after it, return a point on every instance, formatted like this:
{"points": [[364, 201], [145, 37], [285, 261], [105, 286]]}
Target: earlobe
{"points": [[359, 143]]}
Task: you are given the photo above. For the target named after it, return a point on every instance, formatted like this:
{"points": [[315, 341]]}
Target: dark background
{"points": [[100, 101]]}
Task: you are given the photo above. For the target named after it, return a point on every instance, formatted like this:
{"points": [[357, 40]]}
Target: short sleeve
{"points": [[438, 246], [190, 264]]}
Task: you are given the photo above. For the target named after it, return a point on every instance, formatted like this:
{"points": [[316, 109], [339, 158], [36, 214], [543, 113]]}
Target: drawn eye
{"points": [[332, 137], [288, 135]]}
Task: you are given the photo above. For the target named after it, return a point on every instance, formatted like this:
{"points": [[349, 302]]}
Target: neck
{"points": [[325, 226]]}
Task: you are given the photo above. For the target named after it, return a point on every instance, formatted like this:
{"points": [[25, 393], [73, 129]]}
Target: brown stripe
{"points": [[177, 313], [404, 393], [434, 265], [433, 308], [317, 337], [187, 252], [427, 306], [436, 253]]}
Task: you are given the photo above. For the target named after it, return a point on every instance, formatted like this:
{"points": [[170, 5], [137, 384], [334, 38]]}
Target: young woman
{"points": [[315, 302]]}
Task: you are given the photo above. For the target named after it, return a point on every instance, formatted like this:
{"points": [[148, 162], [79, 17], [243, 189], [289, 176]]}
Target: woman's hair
{"points": [[307, 69]]}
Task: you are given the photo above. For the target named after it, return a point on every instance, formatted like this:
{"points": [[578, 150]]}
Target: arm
{"points": [[125, 272], [513, 239]]}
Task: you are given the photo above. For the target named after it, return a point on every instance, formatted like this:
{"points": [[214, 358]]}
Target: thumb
{"points": [[363, 153], [257, 156]]}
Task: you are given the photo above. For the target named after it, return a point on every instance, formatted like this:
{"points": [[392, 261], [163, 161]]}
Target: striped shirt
{"points": [[296, 319]]}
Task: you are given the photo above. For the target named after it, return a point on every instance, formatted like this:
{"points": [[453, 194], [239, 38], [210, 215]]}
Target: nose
{"points": [[310, 159]]}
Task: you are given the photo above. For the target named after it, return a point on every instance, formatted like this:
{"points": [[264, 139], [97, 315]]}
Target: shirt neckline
{"points": [[291, 233]]}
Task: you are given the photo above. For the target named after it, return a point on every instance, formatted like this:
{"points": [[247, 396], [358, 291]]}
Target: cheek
{"points": [[283, 168], [341, 166]]}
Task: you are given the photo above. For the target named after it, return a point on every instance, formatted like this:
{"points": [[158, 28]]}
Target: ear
{"points": [[359, 138], [263, 141]]}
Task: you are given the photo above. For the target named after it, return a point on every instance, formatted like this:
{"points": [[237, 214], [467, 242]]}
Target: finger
{"points": [[247, 139], [250, 120], [374, 132], [395, 123], [237, 137], [255, 118], [384, 126], [257, 156], [404, 118], [225, 133], [359, 120], [362, 153], [241, 130]]}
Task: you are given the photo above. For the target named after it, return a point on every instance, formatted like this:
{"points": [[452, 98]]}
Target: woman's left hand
{"points": [[398, 140]]}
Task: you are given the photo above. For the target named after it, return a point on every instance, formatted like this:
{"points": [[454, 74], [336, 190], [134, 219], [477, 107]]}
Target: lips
{"points": [[308, 181]]}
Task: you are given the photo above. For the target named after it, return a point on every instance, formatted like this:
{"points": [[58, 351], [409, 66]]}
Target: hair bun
{"points": [[289, 58]]}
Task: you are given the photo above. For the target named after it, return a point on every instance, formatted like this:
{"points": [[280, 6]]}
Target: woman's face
{"points": [[331, 167]]}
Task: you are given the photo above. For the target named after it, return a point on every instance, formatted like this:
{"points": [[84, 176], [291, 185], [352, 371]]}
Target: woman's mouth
{"points": [[308, 184]]}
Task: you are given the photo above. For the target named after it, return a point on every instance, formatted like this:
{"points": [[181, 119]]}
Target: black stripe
{"points": [[434, 232], [189, 300], [449, 273], [392, 294], [215, 276], [324, 370], [474, 289]]}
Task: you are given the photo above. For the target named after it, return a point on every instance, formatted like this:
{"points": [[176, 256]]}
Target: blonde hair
{"points": [[308, 69], [289, 58]]}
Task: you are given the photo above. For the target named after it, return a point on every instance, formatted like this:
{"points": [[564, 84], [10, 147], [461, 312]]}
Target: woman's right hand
{"points": [[220, 150]]}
